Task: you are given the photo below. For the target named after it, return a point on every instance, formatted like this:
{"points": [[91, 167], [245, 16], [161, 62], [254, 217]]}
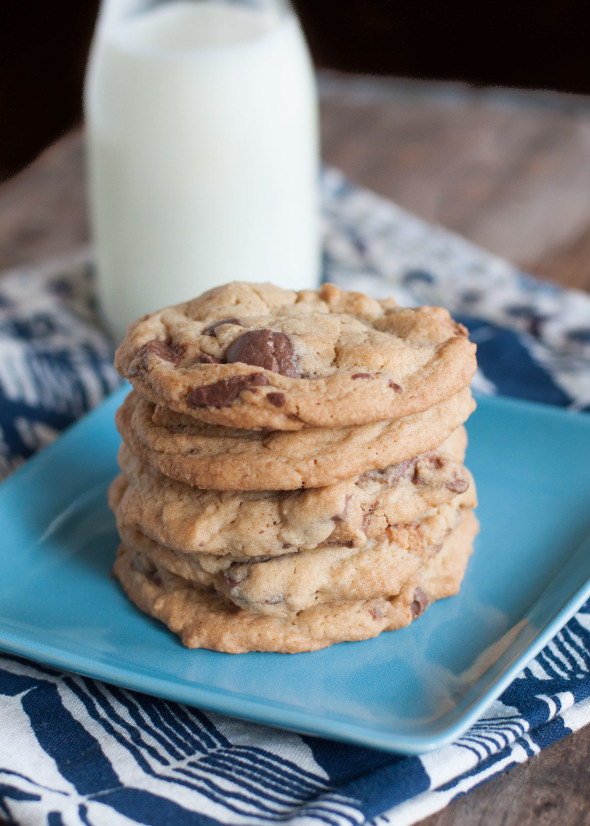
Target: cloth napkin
{"points": [[77, 751]]}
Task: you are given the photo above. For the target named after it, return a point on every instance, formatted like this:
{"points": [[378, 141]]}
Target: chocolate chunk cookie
{"points": [[267, 523], [206, 619], [255, 356], [222, 458], [287, 584]]}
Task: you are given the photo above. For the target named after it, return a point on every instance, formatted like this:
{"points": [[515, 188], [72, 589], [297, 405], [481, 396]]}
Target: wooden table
{"points": [[508, 170]]}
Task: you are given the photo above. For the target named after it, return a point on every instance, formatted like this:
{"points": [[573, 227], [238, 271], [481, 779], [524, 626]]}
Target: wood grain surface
{"points": [[508, 170]]}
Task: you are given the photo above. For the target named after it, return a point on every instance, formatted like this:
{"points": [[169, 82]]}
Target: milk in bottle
{"points": [[202, 139]]}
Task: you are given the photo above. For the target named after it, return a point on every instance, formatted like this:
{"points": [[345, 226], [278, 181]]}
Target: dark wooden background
{"points": [[542, 44]]}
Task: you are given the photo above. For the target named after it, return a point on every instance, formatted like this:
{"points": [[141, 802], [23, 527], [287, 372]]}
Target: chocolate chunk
{"points": [[395, 386], [205, 358], [165, 350], [225, 392], [457, 485], [362, 376], [392, 474], [210, 331], [264, 348], [420, 603], [278, 399]]}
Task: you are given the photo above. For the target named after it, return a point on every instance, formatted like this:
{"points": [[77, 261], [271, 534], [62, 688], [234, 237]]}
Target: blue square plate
{"points": [[407, 691]]}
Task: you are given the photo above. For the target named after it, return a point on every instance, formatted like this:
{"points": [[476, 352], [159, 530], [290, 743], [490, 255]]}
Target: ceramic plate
{"points": [[406, 691]]}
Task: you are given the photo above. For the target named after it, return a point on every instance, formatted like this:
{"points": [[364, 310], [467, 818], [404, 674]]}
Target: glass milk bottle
{"points": [[203, 151]]}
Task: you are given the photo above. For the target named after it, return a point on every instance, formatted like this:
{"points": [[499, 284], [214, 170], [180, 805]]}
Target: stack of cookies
{"points": [[292, 466]]}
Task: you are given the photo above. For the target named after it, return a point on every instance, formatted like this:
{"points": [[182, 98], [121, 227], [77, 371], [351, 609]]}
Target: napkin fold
{"points": [[76, 751]]}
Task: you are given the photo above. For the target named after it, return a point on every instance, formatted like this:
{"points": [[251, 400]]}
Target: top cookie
{"points": [[256, 356]]}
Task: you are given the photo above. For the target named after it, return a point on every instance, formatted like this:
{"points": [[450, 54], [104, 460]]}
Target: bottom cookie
{"points": [[205, 619]]}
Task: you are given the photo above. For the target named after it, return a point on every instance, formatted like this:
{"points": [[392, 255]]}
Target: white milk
{"points": [[202, 138]]}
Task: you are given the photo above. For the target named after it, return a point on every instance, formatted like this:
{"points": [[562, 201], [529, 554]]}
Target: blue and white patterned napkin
{"points": [[76, 751]]}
